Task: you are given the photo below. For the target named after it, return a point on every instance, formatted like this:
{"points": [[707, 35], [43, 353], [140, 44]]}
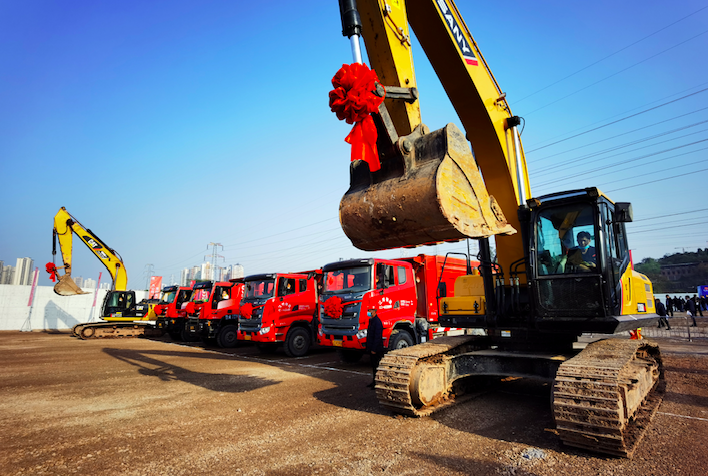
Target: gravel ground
{"points": [[140, 406]]}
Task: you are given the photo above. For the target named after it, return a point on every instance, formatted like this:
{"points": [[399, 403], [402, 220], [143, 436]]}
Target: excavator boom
{"points": [[65, 226], [430, 189]]}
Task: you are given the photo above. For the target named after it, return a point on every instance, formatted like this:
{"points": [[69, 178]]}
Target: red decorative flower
{"points": [[353, 100], [52, 270], [333, 307], [246, 310]]}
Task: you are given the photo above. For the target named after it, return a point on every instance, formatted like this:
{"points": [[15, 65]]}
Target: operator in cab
{"points": [[583, 257]]}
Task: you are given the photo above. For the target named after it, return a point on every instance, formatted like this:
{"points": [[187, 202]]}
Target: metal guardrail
{"points": [[681, 328]]}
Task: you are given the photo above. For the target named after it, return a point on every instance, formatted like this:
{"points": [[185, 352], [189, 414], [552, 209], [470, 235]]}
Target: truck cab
{"points": [[218, 320], [353, 287], [280, 309], [170, 305], [205, 304]]}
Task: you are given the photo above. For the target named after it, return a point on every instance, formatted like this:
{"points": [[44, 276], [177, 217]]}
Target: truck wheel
{"points": [[298, 342], [187, 336], [349, 356], [175, 335], [227, 337], [399, 339]]}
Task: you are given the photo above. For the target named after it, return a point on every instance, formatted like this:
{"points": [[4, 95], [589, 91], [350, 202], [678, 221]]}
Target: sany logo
{"points": [[456, 31], [385, 303], [284, 307]]}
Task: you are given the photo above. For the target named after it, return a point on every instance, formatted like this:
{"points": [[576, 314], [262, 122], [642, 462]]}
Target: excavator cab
{"points": [[118, 304], [579, 259]]}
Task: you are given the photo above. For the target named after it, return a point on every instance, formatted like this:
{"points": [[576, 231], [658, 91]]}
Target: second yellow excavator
{"points": [[122, 315], [563, 265]]}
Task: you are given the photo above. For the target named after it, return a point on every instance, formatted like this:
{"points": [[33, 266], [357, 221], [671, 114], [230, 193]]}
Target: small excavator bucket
{"points": [[428, 190], [67, 287]]}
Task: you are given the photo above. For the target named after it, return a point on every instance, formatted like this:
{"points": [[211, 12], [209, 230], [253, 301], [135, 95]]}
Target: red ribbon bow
{"points": [[246, 310], [52, 270], [333, 307], [353, 100]]}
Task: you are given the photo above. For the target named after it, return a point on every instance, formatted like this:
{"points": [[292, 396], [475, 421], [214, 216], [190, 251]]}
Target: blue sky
{"points": [[167, 125]]}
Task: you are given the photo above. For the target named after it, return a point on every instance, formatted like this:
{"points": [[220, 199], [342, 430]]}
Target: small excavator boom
{"points": [[65, 226]]}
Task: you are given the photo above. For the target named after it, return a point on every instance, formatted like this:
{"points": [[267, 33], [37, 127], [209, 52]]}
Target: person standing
{"points": [[669, 306], [691, 310], [374, 342], [661, 311], [697, 303]]}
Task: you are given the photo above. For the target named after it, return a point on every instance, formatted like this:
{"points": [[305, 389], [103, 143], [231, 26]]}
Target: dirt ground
{"points": [[140, 406]]}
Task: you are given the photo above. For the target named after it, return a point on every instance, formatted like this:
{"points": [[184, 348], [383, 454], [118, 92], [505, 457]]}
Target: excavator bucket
{"points": [[428, 190], [67, 287]]}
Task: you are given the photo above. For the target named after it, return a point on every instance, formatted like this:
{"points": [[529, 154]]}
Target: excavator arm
{"points": [[65, 226], [441, 164]]}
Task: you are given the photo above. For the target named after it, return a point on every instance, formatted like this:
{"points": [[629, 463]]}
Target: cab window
{"points": [[565, 240], [401, 274]]}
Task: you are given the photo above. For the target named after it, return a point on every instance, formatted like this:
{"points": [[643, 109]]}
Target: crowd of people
{"points": [[690, 305]]}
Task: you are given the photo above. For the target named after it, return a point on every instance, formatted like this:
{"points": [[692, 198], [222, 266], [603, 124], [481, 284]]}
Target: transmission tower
{"points": [[214, 257], [148, 273]]}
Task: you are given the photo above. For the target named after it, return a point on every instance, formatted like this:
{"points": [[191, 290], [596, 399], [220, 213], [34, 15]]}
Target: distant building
{"points": [[105, 286], [674, 272], [8, 272], [89, 284], [79, 281], [23, 272], [234, 271]]}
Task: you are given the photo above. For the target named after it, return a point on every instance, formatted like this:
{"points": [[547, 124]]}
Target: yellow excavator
{"points": [[562, 268], [122, 315]]}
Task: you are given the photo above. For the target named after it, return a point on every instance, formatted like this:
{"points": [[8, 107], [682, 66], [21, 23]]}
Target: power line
{"points": [[622, 163], [617, 73], [619, 120], [622, 146], [612, 54], [658, 180], [536, 161], [702, 161], [672, 215], [650, 162]]}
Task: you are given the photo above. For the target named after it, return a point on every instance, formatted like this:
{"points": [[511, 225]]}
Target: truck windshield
{"points": [[348, 280], [260, 289], [168, 297], [201, 295]]}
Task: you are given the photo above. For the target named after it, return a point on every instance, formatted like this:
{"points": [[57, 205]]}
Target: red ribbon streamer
{"points": [[52, 270], [333, 307], [353, 100], [246, 310]]}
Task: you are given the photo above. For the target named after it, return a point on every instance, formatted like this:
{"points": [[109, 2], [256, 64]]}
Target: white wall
{"points": [[49, 310]]}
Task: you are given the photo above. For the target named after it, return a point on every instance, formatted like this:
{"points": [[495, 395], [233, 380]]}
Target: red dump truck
{"points": [[170, 307], [405, 293], [210, 301], [218, 318], [280, 308]]}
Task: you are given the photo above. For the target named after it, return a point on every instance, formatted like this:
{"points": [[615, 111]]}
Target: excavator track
{"points": [[112, 330], [396, 374], [605, 397]]}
